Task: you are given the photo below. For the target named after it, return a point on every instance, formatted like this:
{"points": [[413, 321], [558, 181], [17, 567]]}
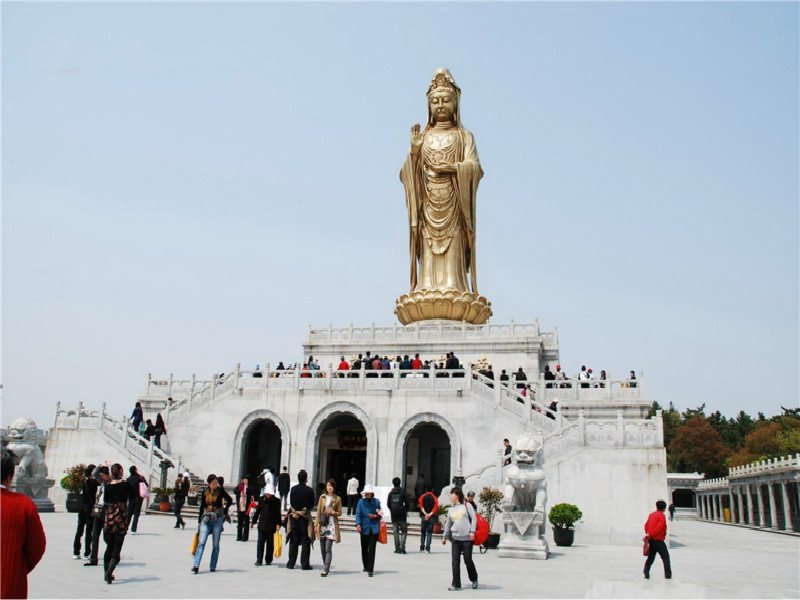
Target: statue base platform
{"points": [[35, 488], [523, 537], [449, 305], [536, 549]]}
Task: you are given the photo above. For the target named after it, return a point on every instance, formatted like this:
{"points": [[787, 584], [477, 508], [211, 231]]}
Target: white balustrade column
{"points": [[761, 520], [716, 507], [699, 505], [750, 512], [773, 509], [704, 506], [58, 410], [787, 508], [732, 504], [740, 518]]}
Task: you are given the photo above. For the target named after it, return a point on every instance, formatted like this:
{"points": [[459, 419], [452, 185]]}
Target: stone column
{"points": [[773, 509], [732, 504], [787, 508], [750, 516], [761, 521], [740, 504], [718, 506]]}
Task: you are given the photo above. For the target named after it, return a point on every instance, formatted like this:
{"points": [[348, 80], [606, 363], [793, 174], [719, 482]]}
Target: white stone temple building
{"points": [[602, 453]]}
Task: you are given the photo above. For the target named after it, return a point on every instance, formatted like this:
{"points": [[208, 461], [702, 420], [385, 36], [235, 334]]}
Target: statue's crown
{"points": [[443, 82]]}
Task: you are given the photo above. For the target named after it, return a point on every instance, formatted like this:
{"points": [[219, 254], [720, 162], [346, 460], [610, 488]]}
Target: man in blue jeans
{"points": [[428, 505]]}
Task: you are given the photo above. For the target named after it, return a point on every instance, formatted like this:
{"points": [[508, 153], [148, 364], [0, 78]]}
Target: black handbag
{"points": [[99, 508]]}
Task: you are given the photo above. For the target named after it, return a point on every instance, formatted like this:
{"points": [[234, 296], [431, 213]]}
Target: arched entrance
{"points": [[683, 498], [252, 423], [341, 452], [262, 445], [427, 444], [341, 436]]}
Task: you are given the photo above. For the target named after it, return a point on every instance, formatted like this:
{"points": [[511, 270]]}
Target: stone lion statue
{"points": [[31, 462], [526, 487], [524, 501]]}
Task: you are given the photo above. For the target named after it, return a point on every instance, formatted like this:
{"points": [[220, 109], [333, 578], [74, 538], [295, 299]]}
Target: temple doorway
{"points": [[427, 451], [341, 452], [262, 448], [683, 498]]}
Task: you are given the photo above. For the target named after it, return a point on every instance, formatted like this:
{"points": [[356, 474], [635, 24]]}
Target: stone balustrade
{"points": [[762, 494], [601, 399], [118, 433], [440, 331]]}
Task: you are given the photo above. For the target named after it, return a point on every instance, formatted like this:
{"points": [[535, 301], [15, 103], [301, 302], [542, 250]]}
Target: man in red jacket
{"points": [[22, 538], [656, 530]]}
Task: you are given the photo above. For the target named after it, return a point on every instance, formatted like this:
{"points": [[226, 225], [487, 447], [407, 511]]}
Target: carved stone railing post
{"points": [[237, 376], [58, 411], [659, 427], [762, 522], [102, 416], [191, 392], [267, 375], [169, 387], [297, 372], [78, 415], [620, 429], [214, 382], [150, 454], [125, 433], [581, 428], [329, 383], [149, 381]]}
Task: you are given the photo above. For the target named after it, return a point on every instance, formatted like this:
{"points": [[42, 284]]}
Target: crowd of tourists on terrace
{"points": [[447, 366]]}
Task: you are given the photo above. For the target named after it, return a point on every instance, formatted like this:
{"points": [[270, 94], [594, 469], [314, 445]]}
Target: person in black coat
{"points": [[134, 500], [301, 502], [283, 487], [85, 520], [268, 518]]}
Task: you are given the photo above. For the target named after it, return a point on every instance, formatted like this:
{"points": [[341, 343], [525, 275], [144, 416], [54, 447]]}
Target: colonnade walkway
{"points": [[709, 560]]}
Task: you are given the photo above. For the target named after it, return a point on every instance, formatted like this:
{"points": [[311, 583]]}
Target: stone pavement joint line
{"points": [[708, 562]]}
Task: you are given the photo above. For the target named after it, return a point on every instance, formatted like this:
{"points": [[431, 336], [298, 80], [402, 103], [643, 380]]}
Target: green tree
{"points": [[690, 413], [699, 447], [672, 422]]}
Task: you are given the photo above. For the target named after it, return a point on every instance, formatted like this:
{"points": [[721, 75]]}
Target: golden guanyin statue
{"points": [[440, 176]]}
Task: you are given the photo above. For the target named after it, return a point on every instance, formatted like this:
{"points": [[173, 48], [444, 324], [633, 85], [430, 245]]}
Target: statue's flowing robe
{"points": [[441, 212]]}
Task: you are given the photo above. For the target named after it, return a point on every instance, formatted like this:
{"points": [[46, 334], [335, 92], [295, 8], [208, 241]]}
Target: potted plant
{"points": [[440, 512], [72, 482], [162, 497], [491, 503], [562, 517]]}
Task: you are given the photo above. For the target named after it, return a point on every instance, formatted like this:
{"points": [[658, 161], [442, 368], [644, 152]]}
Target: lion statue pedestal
{"points": [[524, 503], [30, 475]]}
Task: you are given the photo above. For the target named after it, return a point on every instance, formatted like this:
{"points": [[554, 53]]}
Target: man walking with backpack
{"points": [[398, 507]]}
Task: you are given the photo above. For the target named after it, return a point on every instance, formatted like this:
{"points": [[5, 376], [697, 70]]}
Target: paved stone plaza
{"points": [[709, 561]]}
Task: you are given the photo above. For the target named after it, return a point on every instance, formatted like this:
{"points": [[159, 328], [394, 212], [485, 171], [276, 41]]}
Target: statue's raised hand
{"points": [[416, 139]]}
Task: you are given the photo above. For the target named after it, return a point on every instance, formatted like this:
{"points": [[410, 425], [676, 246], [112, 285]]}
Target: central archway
{"points": [[256, 433], [324, 436], [436, 451]]}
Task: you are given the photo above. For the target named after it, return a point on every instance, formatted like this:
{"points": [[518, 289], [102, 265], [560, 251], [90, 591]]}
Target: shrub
{"points": [[74, 478], [491, 501], [564, 515]]}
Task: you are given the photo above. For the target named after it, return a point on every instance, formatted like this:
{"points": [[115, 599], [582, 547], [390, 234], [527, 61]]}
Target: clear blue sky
{"points": [[190, 185]]}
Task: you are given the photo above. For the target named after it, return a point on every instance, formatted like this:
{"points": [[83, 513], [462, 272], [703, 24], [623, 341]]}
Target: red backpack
{"points": [[481, 531]]}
